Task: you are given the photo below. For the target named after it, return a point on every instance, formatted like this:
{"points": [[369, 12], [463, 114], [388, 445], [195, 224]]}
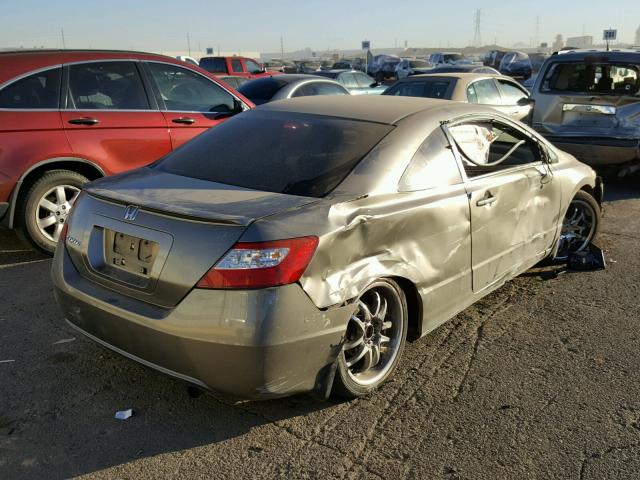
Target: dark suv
{"points": [[588, 103], [67, 117]]}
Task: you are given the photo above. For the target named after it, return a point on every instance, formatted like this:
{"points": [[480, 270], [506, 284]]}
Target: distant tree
{"points": [[558, 43]]}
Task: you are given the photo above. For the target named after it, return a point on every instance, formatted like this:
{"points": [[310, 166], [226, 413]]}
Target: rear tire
{"points": [[45, 207], [374, 340]]}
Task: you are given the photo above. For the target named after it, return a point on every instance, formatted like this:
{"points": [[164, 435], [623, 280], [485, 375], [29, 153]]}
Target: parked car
{"points": [[516, 65], [349, 64], [358, 83], [282, 66], [234, 66], [263, 90], [407, 67], [306, 66], [500, 92], [233, 81], [298, 246], [588, 103], [375, 66], [387, 70], [447, 58], [494, 59], [185, 58], [67, 117], [464, 68], [537, 59]]}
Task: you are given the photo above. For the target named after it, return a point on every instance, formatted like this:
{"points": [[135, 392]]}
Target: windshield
{"points": [[298, 154], [418, 64], [592, 78], [452, 57]]}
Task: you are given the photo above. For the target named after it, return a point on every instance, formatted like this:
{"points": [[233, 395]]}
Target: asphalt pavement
{"points": [[540, 380]]}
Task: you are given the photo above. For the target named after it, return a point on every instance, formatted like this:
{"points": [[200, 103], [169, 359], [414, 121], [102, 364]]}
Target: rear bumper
{"points": [[599, 151], [251, 344]]}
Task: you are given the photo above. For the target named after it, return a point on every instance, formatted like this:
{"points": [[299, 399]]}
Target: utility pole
{"points": [[189, 43], [281, 48], [64, 44], [477, 39], [537, 37]]}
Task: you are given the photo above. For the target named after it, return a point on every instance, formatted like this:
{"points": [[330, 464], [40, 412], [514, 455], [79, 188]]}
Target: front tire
{"points": [[374, 340], [44, 209], [579, 226]]}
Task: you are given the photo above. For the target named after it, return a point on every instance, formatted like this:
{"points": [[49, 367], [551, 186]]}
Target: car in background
{"points": [[496, 91], [300, 245], [537, 60], [234, 81], [358, 83], [349, 64], [447, 58], [387, 70], [186, 58], [464, 68], [587, 102], [281, 66], [234, 66], [264, 90], [494, 59], [516, 65], [409, 67], [71, 116], [326, 65], [307, 66], [378, 62]]}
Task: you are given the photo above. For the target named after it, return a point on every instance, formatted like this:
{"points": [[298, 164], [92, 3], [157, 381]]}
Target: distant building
{"points": [[558, 43], [637, 42], [584, 41]]}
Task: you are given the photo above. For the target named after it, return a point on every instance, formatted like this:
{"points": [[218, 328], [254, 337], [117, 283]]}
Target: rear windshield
{"points": [[423, 88], [297, 154], [452, 57], [418, 64], [262, 90], [592, 78], [214, 65]]}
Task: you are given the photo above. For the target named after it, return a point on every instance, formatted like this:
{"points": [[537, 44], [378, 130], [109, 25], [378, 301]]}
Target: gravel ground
{"points": [[538, 380]]}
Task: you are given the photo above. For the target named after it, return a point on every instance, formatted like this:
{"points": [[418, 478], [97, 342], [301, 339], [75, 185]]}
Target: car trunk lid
{"points": [[152, 235]]}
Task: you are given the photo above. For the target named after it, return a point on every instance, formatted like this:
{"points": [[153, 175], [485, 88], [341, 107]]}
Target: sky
{"points": [[257, 25]]}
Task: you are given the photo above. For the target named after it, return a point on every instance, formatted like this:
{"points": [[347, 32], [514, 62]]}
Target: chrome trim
{"points": [[586, 108]]}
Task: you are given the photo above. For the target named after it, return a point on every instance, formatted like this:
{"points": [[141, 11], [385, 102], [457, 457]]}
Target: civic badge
{"points": [[131, 212]]}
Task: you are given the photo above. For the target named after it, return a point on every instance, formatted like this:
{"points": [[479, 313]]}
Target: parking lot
{"points": [[538, 380]]}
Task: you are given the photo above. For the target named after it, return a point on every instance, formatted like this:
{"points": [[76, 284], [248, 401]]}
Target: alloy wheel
{"points": [[578, 228], [53, 209], [374, 334]]}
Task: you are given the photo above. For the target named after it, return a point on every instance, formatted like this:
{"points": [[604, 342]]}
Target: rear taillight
{"points": [[261, 264]]}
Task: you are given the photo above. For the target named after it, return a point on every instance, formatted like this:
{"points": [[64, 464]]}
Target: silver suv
{"points": [[588, 104]]}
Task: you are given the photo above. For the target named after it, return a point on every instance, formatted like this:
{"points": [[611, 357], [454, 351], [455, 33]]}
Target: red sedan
{"points": [[68, 117]]}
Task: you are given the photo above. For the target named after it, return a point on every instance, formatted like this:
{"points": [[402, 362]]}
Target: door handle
{"points": [[184, 120], [487, 200], [84, 121]]}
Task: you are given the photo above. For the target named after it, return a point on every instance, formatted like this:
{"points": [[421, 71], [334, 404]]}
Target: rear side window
{"points": [[40, 90], [236, 66], [307, 155], [318, 88], [214, 65], [486, 92], [511, 93], [592, 78], [106, 86], [262, 90], [433, 165], [427, 89], [188, 91], [364, 80]]}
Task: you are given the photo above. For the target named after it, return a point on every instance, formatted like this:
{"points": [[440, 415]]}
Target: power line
{"points": [[477, 39]]}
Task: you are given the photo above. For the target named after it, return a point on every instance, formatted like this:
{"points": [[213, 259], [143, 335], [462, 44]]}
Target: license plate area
{"points": [[130, 253]]}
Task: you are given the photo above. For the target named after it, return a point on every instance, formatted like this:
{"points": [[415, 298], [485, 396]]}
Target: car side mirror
{"points": [[526, 102]]}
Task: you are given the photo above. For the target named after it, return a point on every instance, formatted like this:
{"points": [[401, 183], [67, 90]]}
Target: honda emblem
{"points": [[131, 212]]}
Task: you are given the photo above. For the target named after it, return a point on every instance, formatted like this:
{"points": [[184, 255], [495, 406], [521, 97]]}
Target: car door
{"points": [[238, 68], [513, 198], [110, 118], [511, 94], [190, 102]]}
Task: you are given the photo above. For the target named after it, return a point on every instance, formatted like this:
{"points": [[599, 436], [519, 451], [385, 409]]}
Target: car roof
{"points": [[627, 55], [369, 108], [468, 76], [287, 78]]}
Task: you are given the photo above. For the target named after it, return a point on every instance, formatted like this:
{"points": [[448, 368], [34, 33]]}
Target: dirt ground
{"points": [[539, 380]]}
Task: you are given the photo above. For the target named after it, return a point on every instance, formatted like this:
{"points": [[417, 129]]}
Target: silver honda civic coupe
{"points": [[297, 247]]}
